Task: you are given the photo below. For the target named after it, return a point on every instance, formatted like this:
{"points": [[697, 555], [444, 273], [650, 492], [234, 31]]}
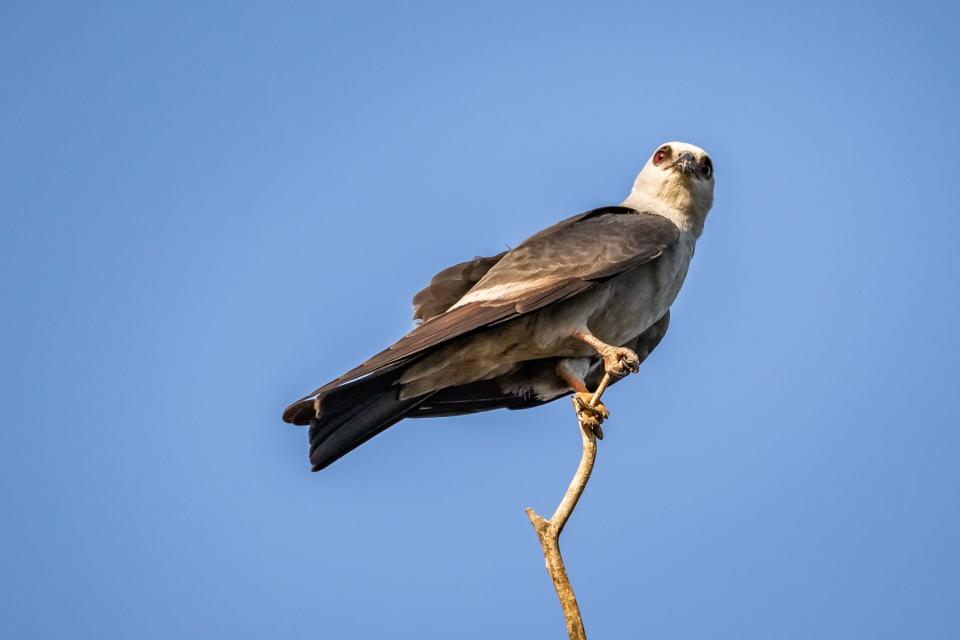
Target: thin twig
{"points": [[600, 389], [548, 531]]}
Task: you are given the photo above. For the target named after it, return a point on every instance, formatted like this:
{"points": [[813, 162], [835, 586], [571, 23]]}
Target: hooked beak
{"points": [[686, 164]]}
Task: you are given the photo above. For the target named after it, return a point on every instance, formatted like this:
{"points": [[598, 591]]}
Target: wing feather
{"points": [[448, 286]]}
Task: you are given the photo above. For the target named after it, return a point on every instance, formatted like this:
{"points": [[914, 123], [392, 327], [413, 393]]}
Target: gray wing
{"points": [[577, 253], [447, 287], [553, 265]]}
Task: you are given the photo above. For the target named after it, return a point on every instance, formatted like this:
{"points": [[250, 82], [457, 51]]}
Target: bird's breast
{"points": [[639, 297]]}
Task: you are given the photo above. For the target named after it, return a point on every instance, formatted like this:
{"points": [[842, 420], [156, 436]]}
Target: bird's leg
{"points": [[617, 361], [590, 414]]}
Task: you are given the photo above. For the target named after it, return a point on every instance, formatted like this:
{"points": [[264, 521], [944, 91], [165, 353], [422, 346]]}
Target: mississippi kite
{"points": [[587, 296]]}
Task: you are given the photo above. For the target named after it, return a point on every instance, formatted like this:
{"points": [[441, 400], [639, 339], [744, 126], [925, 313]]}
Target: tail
{"points": [[334, 436], [349, 416]]}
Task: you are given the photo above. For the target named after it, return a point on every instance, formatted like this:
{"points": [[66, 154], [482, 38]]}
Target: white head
{"points": [[678, 177]]}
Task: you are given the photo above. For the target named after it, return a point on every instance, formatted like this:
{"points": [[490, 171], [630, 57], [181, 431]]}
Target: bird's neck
{"points": [[677, 206]]}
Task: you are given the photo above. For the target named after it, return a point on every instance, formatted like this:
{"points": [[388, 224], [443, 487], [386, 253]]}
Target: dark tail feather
{"points": [[341, 398], [340, 430]]}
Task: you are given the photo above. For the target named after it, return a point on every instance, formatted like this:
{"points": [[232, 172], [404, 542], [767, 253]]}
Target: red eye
{"points": [[659, 156]]}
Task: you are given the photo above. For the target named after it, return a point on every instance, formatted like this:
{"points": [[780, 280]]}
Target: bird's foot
{"points": [[590, 416], [619, 361]]}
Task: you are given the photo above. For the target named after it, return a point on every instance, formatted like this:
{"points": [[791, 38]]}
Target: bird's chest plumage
{"points": [[636, 299]]}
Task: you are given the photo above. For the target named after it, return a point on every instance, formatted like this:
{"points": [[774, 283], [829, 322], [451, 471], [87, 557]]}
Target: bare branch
{"points": [[548, 531]]}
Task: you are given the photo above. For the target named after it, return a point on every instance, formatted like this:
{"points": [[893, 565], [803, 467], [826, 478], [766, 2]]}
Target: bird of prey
{"points": [[588, 296]]}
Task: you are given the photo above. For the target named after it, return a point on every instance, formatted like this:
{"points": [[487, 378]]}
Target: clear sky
{"points": [[206, 212]]}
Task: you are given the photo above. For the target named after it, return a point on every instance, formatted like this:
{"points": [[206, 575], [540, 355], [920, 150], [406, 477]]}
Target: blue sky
{"points": [[207, 212]]}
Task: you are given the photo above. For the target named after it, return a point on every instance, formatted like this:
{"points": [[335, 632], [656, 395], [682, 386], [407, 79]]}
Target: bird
{"points": [[585, 299]]}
